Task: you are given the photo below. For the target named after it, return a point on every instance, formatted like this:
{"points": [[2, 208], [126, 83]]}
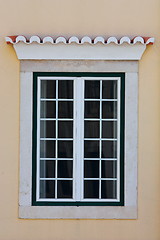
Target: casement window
{"points": [[78, 126], [78, 150]]}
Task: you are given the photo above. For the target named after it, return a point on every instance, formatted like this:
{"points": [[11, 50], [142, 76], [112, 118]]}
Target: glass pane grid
{"points": [[105, 121], [57, 111], [96, 140]]}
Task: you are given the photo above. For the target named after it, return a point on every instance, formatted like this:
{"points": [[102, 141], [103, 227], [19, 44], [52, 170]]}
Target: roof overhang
{"points": [[60, 48]]}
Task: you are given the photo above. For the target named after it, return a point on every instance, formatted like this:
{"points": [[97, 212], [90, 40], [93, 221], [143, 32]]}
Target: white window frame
{"points": [[129, 211], [78, 139]]}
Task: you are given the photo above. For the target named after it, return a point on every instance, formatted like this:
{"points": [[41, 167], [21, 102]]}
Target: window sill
{"points": [[74, 212]]}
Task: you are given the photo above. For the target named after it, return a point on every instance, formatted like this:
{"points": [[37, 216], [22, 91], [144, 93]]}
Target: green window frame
{"points": [[84, 75]]}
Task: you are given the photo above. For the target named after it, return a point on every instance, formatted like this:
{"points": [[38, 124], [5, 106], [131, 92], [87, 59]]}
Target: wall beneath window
{"points": [[85, 17]]}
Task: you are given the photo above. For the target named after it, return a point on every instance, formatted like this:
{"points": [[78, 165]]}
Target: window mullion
{"points": [[79, 115]]}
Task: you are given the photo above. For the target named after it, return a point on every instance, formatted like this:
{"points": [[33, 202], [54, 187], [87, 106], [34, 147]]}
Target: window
{"points": [[123, 204], [78, 138], [86, 190]]}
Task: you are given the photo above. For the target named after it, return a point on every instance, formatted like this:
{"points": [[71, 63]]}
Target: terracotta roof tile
{"points": [[85, 39]]}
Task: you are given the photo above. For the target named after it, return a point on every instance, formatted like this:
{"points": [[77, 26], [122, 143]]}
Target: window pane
{"points": [[109, 129], [47, 149], [109, 169], [109, 109], [91, 129], [65, 129], [92, 109], [65, 89], [47, 189], [64, 189], [109, 89], [47, 169], [91, 149], [65, 169], [91, 169], [91, 189], [92, 89], [65, 109], [65, 149], [109, 189], [48, 109], [47, 129], [48, 89], [109, 149]]}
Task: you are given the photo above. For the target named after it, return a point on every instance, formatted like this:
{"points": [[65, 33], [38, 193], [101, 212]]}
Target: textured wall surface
{"points": [[85, 17]]}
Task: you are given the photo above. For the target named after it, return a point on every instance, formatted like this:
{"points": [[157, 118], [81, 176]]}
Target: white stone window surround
{"points": [[129, 211], [85, 55]]}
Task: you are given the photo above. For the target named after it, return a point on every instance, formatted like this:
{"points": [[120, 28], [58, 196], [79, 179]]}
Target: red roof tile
{"points": [[86, 39]]}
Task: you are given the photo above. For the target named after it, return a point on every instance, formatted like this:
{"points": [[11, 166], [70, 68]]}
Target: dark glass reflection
{"points": [[47, 129], [91, 189], [64, 189], [65, 109], [48, 109], [65, 149], [65, 129], [109, 169], [109, 189], [47, 149], [109, 109], [109, 89], [91, 169], [92, 109], [65, 89], [91, 149], [47, 169], [47, 189], [109, 149], [91, 129], [109, 129], [92, 89], [65, 169], [48, 89]]}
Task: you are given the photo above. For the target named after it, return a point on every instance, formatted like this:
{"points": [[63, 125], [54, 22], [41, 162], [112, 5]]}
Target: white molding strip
{"points": [[49, 48]]}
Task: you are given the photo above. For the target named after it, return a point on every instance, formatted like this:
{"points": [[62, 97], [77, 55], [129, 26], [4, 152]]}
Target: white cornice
{"points": [[74, 48]]}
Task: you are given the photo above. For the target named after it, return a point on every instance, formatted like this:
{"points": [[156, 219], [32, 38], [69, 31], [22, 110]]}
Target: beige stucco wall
{"points": [[75, 17]]}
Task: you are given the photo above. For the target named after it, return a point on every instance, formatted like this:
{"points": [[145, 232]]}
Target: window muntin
{"points": [[92, 108]]}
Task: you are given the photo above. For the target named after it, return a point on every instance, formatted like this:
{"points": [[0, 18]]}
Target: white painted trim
{"points": [[85, 51]]}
